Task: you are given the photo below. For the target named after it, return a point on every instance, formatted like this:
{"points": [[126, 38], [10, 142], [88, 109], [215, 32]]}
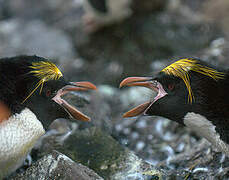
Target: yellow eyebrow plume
{"points": [[182, 67], [45, 71]]}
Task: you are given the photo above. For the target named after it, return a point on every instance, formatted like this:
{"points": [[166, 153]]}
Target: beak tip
{"points": [[123, 83], [131, 81], [125, 115], [82, 119]]}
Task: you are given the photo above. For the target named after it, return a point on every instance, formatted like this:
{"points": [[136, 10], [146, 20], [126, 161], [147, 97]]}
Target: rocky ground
{"points": [[157, 33]]}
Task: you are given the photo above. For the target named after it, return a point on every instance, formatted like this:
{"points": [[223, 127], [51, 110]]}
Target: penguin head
{"points": [[187, 85], [37, 83]]}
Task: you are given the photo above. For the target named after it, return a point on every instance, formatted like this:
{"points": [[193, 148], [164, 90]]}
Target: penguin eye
{"points": [[48, 93], [171, 87]]}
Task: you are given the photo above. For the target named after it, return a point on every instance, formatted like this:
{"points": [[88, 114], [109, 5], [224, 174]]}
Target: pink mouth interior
{"points": [[160, 93]]}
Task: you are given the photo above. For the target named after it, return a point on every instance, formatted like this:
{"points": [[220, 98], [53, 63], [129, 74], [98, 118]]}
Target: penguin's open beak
{"points": [[71, 110], [147, 82]]}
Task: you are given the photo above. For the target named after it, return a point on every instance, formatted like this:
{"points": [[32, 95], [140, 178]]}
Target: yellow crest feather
{"points": [[182, 67], [45, 71]]}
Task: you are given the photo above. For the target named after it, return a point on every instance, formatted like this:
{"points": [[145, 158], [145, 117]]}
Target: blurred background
{"points": [[104, 42]]}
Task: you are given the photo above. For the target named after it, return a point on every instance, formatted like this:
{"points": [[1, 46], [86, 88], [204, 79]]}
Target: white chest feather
{"points": [[18, 135], [206, 129]]}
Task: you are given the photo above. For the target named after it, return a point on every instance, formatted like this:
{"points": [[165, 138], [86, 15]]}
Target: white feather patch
{"points": [[203, 127], [18, 135]]}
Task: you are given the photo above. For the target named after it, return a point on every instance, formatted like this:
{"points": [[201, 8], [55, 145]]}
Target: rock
{"points": [[19, 37], [221, 18], [217, 53], [57, 166], [46, 10], [199, 162], [99, 151]]}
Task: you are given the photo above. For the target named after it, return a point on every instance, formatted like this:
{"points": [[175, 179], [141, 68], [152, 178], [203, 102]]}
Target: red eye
{"points": [[48, 93], [171, 87]]}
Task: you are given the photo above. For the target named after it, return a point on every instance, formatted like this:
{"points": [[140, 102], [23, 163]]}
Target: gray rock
{"points": [[47, 10], [99, 151], [199, 162], [35, 37], [57, 166]]}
